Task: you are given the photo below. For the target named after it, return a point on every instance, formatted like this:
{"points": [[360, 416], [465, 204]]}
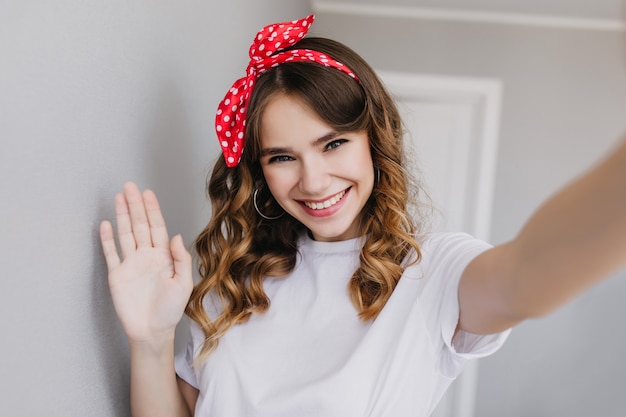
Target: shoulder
{"points": [[450, 245], [446, 252]]}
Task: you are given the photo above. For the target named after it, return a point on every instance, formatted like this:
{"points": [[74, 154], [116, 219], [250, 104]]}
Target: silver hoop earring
{"points": [[377, 182], [256, 207]]}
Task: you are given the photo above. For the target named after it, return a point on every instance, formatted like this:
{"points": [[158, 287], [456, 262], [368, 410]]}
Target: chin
{"points": [[333, 235]]}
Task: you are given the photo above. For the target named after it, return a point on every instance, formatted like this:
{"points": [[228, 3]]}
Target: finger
{"points": [[158, 229], [124, 227], [108, 245], [182, 260], [138, 217]]}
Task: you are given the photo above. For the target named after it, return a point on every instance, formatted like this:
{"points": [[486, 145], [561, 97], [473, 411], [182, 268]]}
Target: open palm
{"points": [[152, 282]]}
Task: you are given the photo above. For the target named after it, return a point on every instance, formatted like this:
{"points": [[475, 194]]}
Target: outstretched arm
{"points": [[572, 241], [150, 287]]}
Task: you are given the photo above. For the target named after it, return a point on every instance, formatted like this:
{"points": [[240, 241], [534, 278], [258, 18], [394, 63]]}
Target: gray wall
{"points": [[564, 102], [94, 93]]}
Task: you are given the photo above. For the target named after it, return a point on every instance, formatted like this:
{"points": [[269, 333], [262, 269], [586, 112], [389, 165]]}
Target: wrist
{"points": [[154, 345]]}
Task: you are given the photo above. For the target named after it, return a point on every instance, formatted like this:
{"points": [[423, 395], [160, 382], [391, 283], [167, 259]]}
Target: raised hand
{"points": [[152, 282]]}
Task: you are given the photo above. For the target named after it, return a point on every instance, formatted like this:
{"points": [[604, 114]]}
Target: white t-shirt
{"points": [[310, 354]]}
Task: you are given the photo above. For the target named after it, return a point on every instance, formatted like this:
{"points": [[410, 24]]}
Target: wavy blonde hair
{"points": [[238, 249]]}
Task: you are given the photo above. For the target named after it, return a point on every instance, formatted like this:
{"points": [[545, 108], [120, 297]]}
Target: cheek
{"points": [[363, 166], [276, 182]]}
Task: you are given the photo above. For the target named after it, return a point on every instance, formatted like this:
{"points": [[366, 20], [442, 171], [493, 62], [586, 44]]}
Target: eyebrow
{"points": [[317, 142]]}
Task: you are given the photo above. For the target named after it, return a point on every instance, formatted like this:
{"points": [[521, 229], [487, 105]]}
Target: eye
{"points": [[335, 144], [279, 158]]}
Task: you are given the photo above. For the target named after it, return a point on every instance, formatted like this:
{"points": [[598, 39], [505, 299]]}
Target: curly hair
{"points": [[238, 249]]}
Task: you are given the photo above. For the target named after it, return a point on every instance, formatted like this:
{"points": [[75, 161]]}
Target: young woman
{"points": [[320, 295]]}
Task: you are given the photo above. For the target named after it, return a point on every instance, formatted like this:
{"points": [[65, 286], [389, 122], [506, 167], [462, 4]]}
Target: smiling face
{"points": [[321, 177]]}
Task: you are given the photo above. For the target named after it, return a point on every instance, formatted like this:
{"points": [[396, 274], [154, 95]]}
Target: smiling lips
{"points": [[327, 203]]}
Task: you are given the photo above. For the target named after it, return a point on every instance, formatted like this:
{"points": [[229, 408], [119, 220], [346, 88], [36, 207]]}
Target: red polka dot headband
{"points": [[266, 52]]}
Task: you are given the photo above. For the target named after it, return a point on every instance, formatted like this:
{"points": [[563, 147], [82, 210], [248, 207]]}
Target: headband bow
{"points": [[266, 52]]}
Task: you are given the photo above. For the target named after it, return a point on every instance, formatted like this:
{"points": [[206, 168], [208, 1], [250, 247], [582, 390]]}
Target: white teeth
{"points": [[325, 204]]}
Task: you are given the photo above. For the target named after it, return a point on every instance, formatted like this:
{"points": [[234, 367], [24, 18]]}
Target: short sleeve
{"points": [[184, 360], [446, 256]]}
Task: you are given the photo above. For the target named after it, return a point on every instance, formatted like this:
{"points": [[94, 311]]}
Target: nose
{"points": [[314, 177]]}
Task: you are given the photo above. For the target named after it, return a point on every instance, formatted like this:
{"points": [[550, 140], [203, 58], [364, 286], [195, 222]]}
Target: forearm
{"points": [[153, 388], [576, 238]]}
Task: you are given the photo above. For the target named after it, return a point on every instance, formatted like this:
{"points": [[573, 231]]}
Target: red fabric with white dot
{"points": [[265, 53]]}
